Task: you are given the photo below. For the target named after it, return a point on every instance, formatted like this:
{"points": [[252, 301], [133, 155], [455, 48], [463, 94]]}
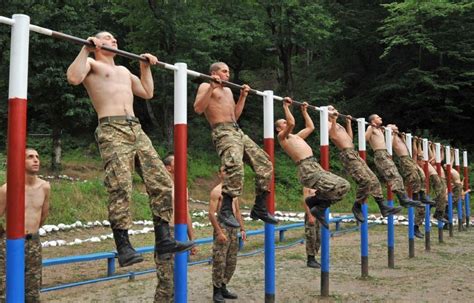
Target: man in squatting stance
{"points": [[356, 167], [226, 244], [37, 192], [330, 187], [123, 144], [233, 146]]}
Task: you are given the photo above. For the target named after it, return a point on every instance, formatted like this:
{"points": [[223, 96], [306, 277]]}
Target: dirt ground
{"points": [[445, 274]]}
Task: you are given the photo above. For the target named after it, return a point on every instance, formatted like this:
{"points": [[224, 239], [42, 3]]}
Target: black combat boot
{"points": [[357, 211], [226, 215], [418, 233], [126, 254], [259, 210], [227, 294], [312, 262], [317, 207], [217, 296], [438, 215], [386, 210], [164, 244], [424, 199], [407, 202]]}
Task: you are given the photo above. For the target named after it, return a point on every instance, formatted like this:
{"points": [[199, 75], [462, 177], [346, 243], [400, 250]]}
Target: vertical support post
{"points": [[411, 211], [438, 169], [390, 223], [459, 202], [364, 229], [467, 197], [110, 267], [450, 188], [456, 160], [268, 141], [17, 94], [325, 234], [180, 188], [427, 190]]}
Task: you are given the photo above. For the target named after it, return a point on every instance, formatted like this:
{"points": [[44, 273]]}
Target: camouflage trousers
{"points": [[123, 145], [438, 187], [328, 185], [234, 147], [164, 292], [224, 256], [367, 182], [412, 176], [312, 237], [388, 171], [33, 268]]}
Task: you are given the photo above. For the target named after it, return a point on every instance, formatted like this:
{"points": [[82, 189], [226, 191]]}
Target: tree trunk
{"points": [[153, 119], [57, 150]]}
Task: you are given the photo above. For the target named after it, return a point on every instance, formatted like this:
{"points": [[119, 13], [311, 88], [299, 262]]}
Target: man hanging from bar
{"points": [[123, 144], [37, 193], [329, 187], [356, 167], [457, 188], [384, 163], [233, 146]]}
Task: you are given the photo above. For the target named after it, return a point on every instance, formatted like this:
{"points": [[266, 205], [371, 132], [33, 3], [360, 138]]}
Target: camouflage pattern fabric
{"points": [[33, 267], [419, 215], [388, 171], [2, 263], [224, 256], [312, 237], [329, 186], [234, 147], [457, 192], [367, 182], [412, 176], [122, 145], [164, 292], [439, 189]]}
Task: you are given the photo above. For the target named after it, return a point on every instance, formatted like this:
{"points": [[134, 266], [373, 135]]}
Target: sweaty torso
{"points": [[110, 88], [377, 139], [455, 177], [340, 137], [296, 147], [34, 198], [431, 170], [221, 107], [399, 147]]}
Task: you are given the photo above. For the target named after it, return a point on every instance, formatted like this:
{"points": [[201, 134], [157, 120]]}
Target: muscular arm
{"points": [[368, 132], [144, 86], [239, 106], [45, 208], [203, 97], [349, 128], [239, 218], [80, 67], [290, 123], [214, 201], [309, 126]]}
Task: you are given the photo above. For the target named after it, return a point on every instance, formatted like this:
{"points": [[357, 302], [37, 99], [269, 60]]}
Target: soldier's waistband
{"points": [[310, 158], [404, 156], [226, 125], [128, 119], [34, 236], [380, 150]]}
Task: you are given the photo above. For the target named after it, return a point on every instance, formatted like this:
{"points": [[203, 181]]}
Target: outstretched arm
{"points": [[239, 107], [309, 126], [144, 87], [349, 126], [204, 93], [81, 66], [290, 120]]}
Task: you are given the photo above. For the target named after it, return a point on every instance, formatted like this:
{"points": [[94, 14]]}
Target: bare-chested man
{"points": [[233, 146], [384, 163], [356, 167], [225, 245], [330, 188], [37, 192], [122, 143]]}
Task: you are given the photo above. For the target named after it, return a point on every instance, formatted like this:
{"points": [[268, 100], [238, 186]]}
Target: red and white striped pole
{"points": [[456, 160], [450, 188], [180, 188], [364, 228], [427, 190], [390, 221], [411, 210], [438, 170], [269, 146], [17, 94], [467, 198]]}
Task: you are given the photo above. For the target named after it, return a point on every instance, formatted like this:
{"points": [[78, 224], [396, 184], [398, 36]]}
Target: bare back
{"points": [[377, 138], [399, 146], [340, 137], [296, 147], [221, 106], [110, 89]]}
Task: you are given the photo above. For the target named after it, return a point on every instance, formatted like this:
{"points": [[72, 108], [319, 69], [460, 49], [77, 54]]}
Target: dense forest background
{"points": [[412, 62]]}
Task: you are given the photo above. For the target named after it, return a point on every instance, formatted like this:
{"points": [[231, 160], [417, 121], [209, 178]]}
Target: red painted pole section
{"points": [[324, 157], [180, 157], [363, 155], [16, 168], [466, 178], [427, 177], [269, 147]]}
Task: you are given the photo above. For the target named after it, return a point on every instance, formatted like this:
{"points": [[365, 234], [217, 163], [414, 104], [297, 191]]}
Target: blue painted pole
{"points": [[390, 235], [460, 214], [450, 212], [325, 236], [15, 268], [269, 263], [181, 265], [427, 227], [411, 232], [467, 199], [364, 242]]}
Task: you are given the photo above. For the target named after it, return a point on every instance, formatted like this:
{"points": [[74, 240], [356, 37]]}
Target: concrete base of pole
{"points": [[427, 241], [269, 298], [411, 248], [324, 284], [391, 257], [364, 266]]}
